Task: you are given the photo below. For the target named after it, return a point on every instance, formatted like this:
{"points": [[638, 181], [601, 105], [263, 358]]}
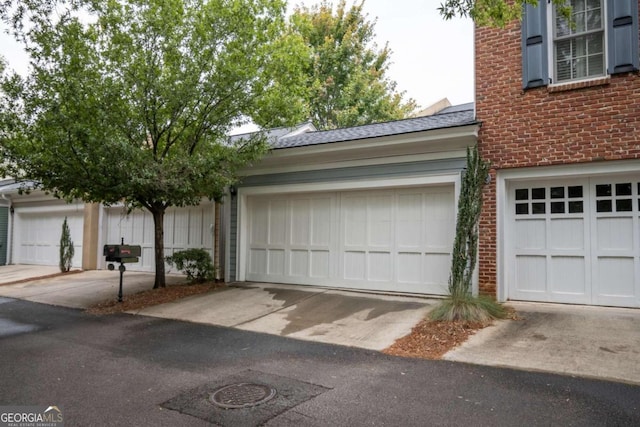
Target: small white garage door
{"points": [[575, 241], [392, 240], [37, 231], [184, 228]]}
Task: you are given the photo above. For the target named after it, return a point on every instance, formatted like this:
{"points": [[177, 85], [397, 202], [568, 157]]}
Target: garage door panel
{"points": [[530, 234], [277, 222], [380, 267], [567, 234], [299, 263], [320, 264], [321, 220], [276, 258], [568, 275], [258, 261], [531, 274], [616, 277], [410, 267], [436, 268], [300, 222], [613, 234]]}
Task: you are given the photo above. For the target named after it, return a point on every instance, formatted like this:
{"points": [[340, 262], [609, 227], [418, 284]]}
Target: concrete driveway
{"points": [[586, 341], [317, 314], [595, 342]]}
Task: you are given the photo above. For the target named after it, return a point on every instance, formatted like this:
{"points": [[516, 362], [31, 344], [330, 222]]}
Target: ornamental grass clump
{"points": [[461, 304]]}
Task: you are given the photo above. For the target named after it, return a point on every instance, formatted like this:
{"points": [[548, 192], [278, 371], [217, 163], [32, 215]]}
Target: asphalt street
{"points": [[125, 370]]}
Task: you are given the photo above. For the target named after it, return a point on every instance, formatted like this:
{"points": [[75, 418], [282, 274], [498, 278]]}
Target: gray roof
{"points": [[460, 116]]}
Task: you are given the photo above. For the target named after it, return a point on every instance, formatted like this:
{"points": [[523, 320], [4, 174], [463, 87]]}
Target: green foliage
{"points": [[465, 245], [461, 304], [468, 307], [195, 263], [344, 73], [133, 103], [495, 13], [66, 248]]}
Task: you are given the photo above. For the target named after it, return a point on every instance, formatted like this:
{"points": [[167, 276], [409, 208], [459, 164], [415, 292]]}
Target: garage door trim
{"points": [[369, 184]]}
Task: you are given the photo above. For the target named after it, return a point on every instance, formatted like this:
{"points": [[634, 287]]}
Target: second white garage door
{"points": [[575, 241], [37, 234], [393, 240], [184, 228]]}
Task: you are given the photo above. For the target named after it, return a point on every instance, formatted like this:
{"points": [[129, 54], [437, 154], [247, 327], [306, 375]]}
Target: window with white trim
{"points": [[602, 41], [579, 48]]}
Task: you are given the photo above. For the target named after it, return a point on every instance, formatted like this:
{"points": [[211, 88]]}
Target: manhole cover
{"points": [[242, 395]]}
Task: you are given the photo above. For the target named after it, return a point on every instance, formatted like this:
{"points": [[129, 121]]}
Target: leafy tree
{"points": [[495, 13], [345, 74], [131, 101], [461, 304], [66, 247]]}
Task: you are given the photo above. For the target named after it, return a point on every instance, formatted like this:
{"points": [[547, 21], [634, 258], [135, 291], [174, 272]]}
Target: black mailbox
{"points": [[122, 253]]}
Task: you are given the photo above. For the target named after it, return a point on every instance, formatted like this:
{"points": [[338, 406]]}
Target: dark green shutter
{"points": [[622, 22], [535, 65], [4, 237]]}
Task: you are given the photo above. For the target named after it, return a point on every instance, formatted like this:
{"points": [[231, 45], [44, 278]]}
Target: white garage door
{"points": [[184, 228], [575, 242], [392, 240], [37, 234]]}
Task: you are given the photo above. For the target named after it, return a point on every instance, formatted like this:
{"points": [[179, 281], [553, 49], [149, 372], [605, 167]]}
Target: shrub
{"points": [[461, 304], [468, 308], [66, 248], [195, 263]]}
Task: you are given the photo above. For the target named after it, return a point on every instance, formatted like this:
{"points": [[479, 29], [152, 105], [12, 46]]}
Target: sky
{"points": [[431, 58]]}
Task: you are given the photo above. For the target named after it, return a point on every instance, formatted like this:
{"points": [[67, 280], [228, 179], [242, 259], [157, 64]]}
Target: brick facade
{"points": [[583, 122]]}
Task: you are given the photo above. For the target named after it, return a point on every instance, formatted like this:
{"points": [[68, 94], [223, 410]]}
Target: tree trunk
{"points": [[158, 225]]}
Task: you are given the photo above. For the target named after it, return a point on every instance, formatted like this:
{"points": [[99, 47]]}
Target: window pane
{"points": [[563, 60], [557, 192], [603, 190], [538, 193], [593, 4], [580, 20], [595, 64], [623, 205], [575, 191], [522, 208], [575, 207], [537, 208], [594, 19], [522, 194], [579, 68], [603, 206], [557, 207], [623, 189]]}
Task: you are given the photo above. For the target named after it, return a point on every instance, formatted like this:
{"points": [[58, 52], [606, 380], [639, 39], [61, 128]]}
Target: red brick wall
{"points": [[580, 123]]}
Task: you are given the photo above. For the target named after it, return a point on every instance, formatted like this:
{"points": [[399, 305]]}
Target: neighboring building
{"points": [[560, 113], [369, 207]]}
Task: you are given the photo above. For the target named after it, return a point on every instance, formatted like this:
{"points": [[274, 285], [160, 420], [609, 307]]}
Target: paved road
{"points": [[128, 370]]}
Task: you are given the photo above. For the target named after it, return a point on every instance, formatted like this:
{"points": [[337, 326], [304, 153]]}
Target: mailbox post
{"points": [[123, 254]]}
